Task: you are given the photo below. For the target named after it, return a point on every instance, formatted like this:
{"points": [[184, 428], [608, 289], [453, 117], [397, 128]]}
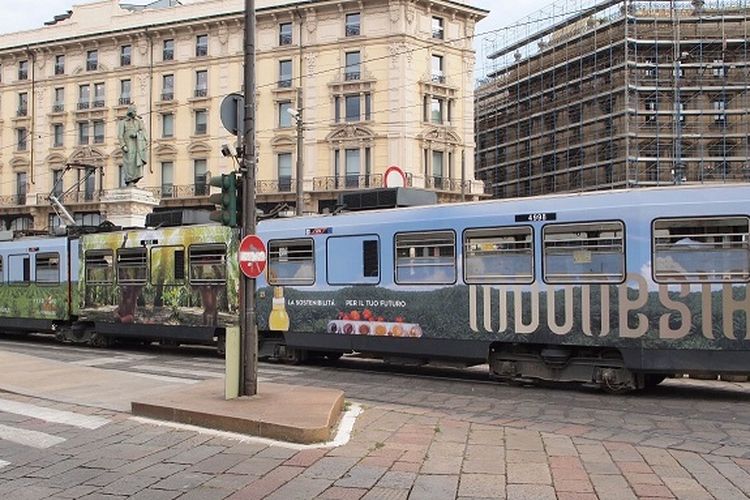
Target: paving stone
{"points": [[218, 463], [434, 487], [300, 488], [129, 485], [260, 488], [397, 480], [195, 455], [442, 464], [77, 491], [530, 492], [204, 493], [154, 494], [255, 466], [611, 486], [339, 493], [686, 488], [330, 467], [532, 473], [306, 458], [361, 476], [482, 485], [229, 482], [182, 481], [386, 494]]}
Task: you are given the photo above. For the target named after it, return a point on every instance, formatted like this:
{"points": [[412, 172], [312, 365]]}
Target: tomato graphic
{"points": [[354, 315]]}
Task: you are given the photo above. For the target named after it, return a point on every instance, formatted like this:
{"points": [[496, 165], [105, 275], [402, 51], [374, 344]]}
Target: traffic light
{"points": [[227, 201]]}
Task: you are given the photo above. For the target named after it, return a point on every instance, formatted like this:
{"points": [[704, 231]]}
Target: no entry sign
{"points": [[252, 256]]}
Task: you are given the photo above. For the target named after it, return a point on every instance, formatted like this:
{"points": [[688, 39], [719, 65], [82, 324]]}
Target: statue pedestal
{"points": [[128, 207]]}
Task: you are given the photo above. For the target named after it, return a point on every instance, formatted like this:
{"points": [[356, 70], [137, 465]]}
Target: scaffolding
{"points": [[590, 95]]}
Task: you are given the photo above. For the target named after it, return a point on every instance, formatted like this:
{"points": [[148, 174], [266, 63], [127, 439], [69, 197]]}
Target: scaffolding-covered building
{"points": [[588, 95]]}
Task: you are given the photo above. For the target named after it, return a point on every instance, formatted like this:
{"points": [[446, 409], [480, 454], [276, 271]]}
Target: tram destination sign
{"points": [[536, 217]]}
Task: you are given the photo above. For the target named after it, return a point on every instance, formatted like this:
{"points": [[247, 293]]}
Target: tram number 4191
{"points": [[536, 217]]}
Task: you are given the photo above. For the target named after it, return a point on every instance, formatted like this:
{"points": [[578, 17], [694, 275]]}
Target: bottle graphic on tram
{"points": [[279, 319]]}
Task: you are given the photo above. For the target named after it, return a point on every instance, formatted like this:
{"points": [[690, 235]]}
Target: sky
{"points": [[16, 15]]}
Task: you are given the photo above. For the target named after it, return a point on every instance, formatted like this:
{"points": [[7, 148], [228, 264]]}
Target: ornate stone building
{"points": [[382, 82]]}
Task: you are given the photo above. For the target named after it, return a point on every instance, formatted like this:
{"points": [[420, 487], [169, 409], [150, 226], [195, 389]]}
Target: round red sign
{"points": [[252, 255]]}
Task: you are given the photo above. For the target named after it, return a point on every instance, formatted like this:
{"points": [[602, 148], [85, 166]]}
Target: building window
{"points": [[720, 106], [353, 24], [21, 188], [124, 92], [59, 104], [167, 179], [60, 64], [353, 70], [719, 69], [437, 107], [21, 138], [352, 167], [167, 51], [285, 34], [201, 122], [23, 70], [167, 125], [285, 116], [651, 107], [58, 134], [438, 74], [126, 51], [201, 83], [284, 171], [92, 60], [57, 182], [84, 96], [368, 106], [285, 73], [23, 104], [200, 177], [201, 45], [98, 132], [83, 133], [98, 95], [438, 167], [352, 103], [167, 87], [438, 30]]}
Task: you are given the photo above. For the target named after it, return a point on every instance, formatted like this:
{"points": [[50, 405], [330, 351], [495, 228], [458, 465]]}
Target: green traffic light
{"points": [[227, 200]]}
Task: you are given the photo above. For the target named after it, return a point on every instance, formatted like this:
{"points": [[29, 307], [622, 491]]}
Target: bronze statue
{"points": [[134, 144]]}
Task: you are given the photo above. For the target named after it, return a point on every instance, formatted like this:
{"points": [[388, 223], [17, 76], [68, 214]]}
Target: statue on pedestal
{"points": [[134, 144]]}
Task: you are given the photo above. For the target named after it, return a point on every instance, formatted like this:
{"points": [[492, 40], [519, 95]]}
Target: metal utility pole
{"points": [[300, 164], [248, 323], [678, 168]]}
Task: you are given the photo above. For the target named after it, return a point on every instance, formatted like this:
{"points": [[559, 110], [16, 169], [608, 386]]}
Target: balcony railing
{"points": [[92, 65], [83, 105], [352, 75], [285, 39], [285, 83], [124, 101], [85, 196], [344, 182], [167, 96], [59, 69], [167, 55], [438, 78], [353, 30], [22, 111], [201, 92], [437, 34], [58, 108], [97, 104], [446, 184]]}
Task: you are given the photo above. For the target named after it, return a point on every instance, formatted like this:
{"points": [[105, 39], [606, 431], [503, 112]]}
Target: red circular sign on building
{"points": [[252, 255], [394, 177]]}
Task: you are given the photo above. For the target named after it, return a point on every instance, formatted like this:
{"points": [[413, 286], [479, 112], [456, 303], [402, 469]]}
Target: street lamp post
{"points": [[300, 170]]}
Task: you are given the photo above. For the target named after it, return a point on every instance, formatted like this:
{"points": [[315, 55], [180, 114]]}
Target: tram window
{"points": [[426, 257], [353, 260], [208, 264], [167, 265], [131, 266], [99, 267], [48, 268], [291, 262], [1, 269], [584, 253], [710, 249], [499, 255], [19, 269]]}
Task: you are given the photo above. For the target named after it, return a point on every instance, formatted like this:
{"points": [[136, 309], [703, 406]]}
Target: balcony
{"points": [[167, 55], [92, 65], [446, 184], [167, 96], [201, 50], [350, 76], [22, 112], [83, 105], [23, 74], [285, 83], [124, 101], [58, 108], [200, 92], [59, 69], [437, 34], [283, 185], [346, 182], [353, 30], [73, 197], [285, 39], [99, 103], [438, 78]]}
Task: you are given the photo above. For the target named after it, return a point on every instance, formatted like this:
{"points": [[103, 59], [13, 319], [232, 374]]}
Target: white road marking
{"points": [[51, 415], [103, 361], [343, 434], [178, 371], [24, 437], [162, 378], [3, 463]]}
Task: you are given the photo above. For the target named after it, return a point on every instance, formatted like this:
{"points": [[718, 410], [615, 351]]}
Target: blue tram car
{"points": [[615, 288]]}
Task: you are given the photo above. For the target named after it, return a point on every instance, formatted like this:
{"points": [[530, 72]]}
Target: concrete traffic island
{"points": [[299, 414]]}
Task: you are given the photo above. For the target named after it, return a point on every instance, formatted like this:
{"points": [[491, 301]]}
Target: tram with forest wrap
{"points": [[616, 288]]}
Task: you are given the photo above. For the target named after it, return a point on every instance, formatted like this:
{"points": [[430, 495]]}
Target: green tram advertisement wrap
{"points": [[186, 276]]}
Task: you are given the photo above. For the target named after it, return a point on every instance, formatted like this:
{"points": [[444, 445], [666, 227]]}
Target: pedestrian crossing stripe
{"points": [[52, 415], [24, 437]]}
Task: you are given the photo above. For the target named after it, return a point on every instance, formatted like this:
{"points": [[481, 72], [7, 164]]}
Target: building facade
{"points": [[380, 83], [618, 94]]}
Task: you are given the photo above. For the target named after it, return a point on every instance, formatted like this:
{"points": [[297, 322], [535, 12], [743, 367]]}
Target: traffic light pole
{"points": [[248, 323]]}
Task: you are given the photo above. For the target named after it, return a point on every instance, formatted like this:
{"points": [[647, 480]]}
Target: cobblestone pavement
{"points": [[419, 437]]}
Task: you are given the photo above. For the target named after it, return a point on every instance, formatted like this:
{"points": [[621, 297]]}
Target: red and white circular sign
{"points": [[252, 255], [394, 177]]}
